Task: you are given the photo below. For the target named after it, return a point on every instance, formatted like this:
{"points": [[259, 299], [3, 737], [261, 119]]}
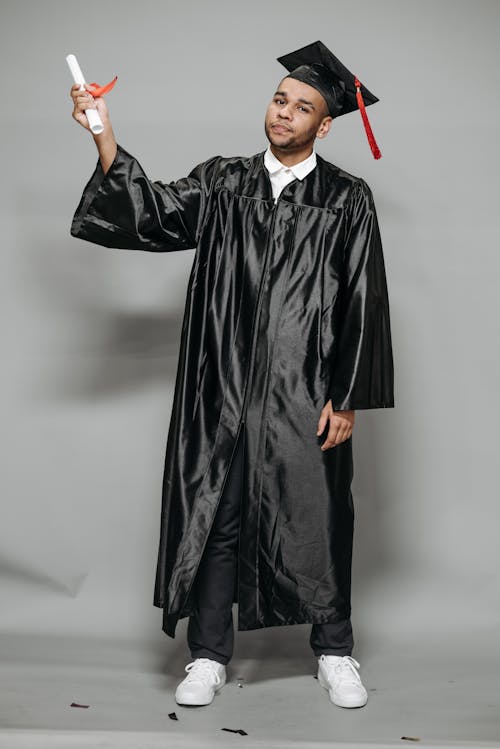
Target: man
{"points": [[286, 333]]}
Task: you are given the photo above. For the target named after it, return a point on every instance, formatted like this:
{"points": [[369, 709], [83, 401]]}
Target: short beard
{"points": [[293, 143]]}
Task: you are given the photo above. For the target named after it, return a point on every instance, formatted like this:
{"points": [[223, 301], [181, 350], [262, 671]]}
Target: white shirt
{"points": [[281, 175]]}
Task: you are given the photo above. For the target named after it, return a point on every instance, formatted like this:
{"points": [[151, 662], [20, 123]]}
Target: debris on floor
{"points": [[410, 738], [236, 730], [75, 704], [173, 716]]}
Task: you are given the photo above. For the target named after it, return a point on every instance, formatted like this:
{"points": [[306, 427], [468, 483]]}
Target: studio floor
{"points": [[434, 694]]}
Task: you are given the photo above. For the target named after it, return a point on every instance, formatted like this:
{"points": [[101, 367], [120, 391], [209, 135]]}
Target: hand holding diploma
{"points": [[91, 112], [87, 109]]}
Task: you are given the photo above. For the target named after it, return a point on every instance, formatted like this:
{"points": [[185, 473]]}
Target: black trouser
{"points": [[210, 629]]}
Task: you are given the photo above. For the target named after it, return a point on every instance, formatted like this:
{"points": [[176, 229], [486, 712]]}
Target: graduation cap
{"points": [[341, 89]]}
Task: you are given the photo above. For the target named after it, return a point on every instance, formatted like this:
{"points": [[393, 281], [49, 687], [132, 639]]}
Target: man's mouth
{"points": [[280, 128]]}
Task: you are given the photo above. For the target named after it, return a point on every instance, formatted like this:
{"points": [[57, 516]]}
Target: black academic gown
{"points": [[287, 307]]}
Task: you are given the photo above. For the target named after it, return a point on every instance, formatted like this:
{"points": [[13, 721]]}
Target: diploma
{"points": [[95, 122]]}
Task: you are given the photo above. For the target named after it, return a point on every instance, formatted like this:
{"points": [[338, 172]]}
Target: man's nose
{"points": [[284, 112]]}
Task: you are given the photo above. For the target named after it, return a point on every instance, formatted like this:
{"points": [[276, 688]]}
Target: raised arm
{"points": [[105, 141], [122, 208]]}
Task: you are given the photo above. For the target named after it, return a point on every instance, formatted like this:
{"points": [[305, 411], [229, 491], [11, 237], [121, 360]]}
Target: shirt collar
{"points": [[299, 170]]}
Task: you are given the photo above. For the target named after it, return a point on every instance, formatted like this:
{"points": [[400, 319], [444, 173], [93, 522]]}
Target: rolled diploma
{"points": [[95, 122]]}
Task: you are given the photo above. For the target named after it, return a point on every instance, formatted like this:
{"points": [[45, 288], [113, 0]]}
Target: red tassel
{"points": [[101, 90], [369, 134]]}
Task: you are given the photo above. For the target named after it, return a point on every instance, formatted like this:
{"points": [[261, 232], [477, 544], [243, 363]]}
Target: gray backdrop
{"points": [[90, 335]]}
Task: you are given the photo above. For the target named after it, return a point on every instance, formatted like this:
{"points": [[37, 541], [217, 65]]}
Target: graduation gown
{"points": [[286, 308]]}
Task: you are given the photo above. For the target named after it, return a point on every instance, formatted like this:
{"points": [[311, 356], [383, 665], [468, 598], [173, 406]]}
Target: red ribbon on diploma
{"points": [[101, 90]]}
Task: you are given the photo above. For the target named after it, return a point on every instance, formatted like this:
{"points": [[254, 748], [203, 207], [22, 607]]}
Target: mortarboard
{"points": [[341, 89]]}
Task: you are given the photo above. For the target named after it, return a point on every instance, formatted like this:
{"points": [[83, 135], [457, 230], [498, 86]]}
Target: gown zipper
{"points": [[255, 328], [257, 315]]}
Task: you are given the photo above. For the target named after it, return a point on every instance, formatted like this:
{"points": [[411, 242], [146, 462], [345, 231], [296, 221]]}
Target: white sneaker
{"points": [[205, 678], [338, 674]]}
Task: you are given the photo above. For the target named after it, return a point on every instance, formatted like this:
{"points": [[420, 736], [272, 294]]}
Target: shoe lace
{"points": [[346, 669], [201, 669]]}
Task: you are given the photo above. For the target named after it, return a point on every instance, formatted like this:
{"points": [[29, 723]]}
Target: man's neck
{"points": [[290, 158]]}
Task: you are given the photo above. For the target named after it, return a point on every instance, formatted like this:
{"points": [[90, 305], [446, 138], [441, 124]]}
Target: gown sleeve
{"points": [[363, 371], [126, 210]]}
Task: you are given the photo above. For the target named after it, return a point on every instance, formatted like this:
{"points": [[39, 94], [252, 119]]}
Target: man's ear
{"points": [[324, 127]]}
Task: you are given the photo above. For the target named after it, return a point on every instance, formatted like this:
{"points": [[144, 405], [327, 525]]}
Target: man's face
{"points": [[296, 116]]}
